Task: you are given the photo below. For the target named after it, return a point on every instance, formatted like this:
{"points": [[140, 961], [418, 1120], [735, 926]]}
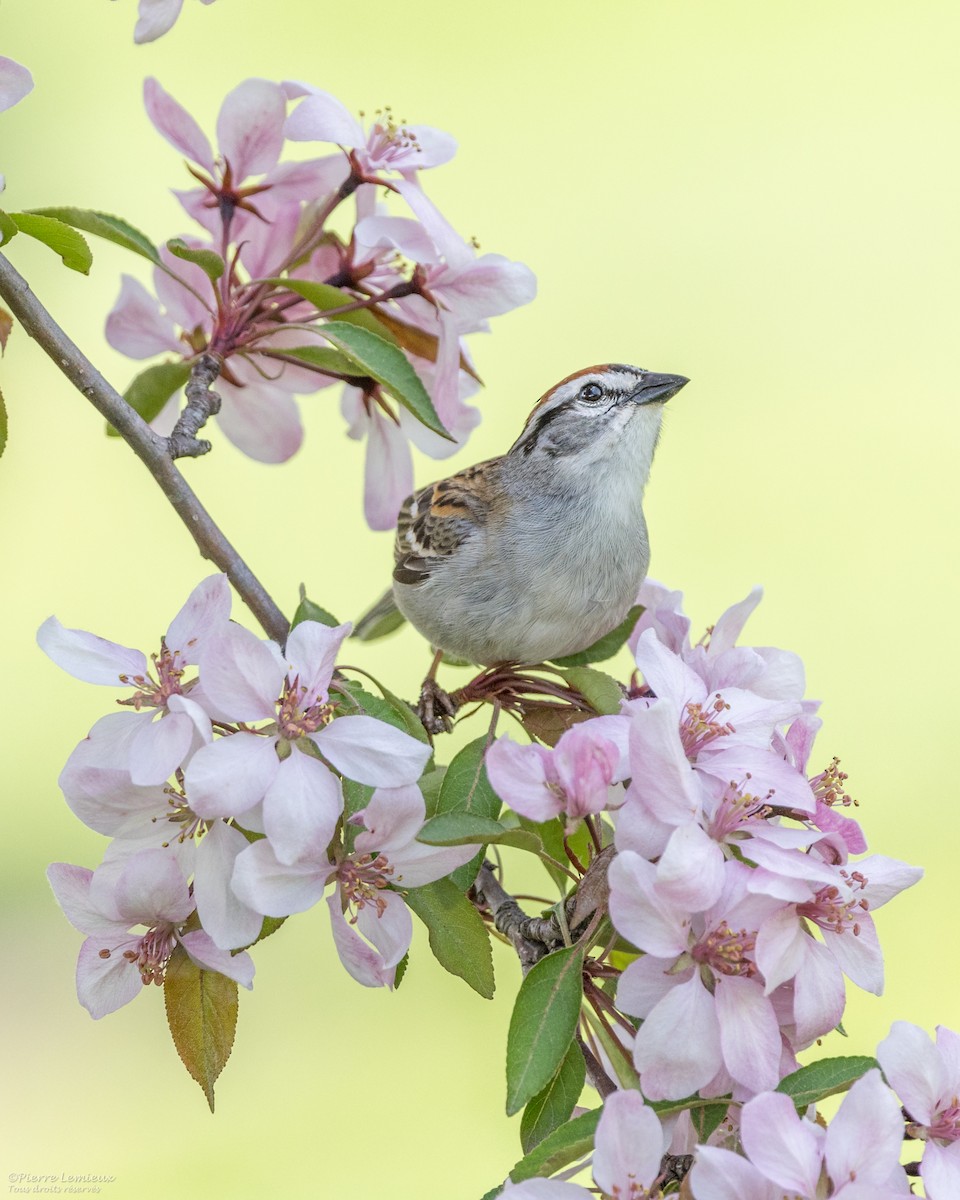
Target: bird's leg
{"points": [[437, 708]]}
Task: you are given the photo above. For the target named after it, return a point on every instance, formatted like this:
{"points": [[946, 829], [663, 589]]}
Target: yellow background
{"points": [[760, 196]]}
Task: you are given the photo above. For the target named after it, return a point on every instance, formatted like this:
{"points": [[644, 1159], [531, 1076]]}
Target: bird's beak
{"points": [[657, 388]]}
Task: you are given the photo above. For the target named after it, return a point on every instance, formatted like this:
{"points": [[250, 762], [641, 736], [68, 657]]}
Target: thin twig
{"points": [[149, 447], [202, 403]]}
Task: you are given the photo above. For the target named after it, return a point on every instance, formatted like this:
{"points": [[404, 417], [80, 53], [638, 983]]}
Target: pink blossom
{"points": [[628, 1147], [259, 414], [115, 962], [856, 1158], [577, 777], [386, 855], [156, 17], [250, 134], [458, 289], [388, 145], [160, 817], [769, 672], [282, 765], [926, 1077], [168, 720], [837, 900], [690, 1034]]}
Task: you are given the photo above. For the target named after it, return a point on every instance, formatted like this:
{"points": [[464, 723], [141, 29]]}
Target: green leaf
{"points": [[550, 834], [383, 618], [401, 970], [707, 1119], [113, 229], [308, 611], [596, 687], [461, 829], [202, 1015], [467, 789], [430, 784], [389, 708], [3, 424], [325, 297], [458, 937], [8, 228], [209, 262], [418, 342], [152, 388], [543, 1023], [385, 362], [559, 1149], [824, 1078], [60, 237], [550, 1108], [325, 358], [356, 796], [607, 646]]}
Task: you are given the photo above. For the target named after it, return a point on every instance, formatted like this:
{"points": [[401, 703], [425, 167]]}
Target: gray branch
{"points": [[149, 447], [202, 404]]}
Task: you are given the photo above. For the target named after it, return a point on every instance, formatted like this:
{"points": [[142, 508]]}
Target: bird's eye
{"points": [[591, 392]]}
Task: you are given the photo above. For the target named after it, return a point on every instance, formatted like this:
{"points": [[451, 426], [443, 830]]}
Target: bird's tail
{"points": [[380, 620]]}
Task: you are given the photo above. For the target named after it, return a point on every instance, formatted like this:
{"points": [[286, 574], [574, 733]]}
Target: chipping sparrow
{"points": [[538, 553]]}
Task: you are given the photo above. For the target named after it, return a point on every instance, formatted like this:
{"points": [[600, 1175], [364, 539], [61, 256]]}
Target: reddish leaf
{"points": [[202, 1015]]}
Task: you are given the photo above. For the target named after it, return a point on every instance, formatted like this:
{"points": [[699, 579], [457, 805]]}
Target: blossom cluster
{"points": [[734, 879], [769, 1151], [766, 1150], [253, 286], [220, 782]]}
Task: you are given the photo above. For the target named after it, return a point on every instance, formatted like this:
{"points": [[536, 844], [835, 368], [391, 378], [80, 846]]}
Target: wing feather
{"points": [[439, 518]]}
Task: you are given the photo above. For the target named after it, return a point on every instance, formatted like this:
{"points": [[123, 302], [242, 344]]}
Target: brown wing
{"points": [[438, 518]]}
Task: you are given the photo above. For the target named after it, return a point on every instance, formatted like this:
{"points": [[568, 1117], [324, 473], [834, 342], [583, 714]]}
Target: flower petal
{"points": [[518, 774], [372, 752], [107, 982], [749, 1033], [677, 1050], [261, 419], [231, 775], [241, 675], [388, 472], [311, 652], [228, 921], [88, 657], [170, 119], [15, 82], [205, 953], [321, 117], [360, 959], [205, 611], [629, 1145], [785, 1148], [722, 1175], [301, 808], [250, 127], [160, 747], [864, 1138], [277, 889], [135, 325]]}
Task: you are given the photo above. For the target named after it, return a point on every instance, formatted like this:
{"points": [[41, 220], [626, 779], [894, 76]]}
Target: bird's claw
{"points": [[436, 709]]}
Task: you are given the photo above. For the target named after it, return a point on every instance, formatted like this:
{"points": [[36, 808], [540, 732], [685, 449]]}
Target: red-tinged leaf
{"points": [[6, 328], [3, 424], [202, 1015], [548, 724]]}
